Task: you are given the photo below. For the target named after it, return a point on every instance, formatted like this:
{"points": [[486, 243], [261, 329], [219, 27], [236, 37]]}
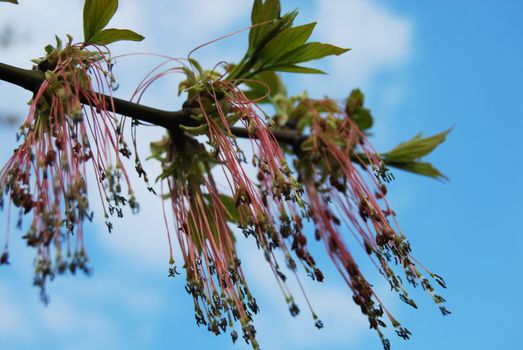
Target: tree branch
{"points": [[32, 80]]}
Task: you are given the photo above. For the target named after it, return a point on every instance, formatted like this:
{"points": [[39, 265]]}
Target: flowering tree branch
{"points": [[336, 181], [32, 79]]}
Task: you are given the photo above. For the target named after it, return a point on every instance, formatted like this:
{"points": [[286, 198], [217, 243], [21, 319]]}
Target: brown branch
{"points": [[32, 80]]}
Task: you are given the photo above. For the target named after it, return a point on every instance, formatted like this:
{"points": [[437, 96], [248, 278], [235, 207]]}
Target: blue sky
{"points": [[425, 66]]}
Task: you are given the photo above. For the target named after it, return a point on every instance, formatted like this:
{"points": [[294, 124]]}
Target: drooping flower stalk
{"points": [[343, 197], [275, 201], [46, 176], [214, 276]]}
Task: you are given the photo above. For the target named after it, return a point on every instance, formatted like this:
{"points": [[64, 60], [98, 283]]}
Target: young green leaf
{"points": [[295, 69], [97, 14], [419, 168], [286, 41], [407, 154], [415, 148], [258, 42], [108, 36], [10, 1], [196, 130], [263, 11], [311, 51]]}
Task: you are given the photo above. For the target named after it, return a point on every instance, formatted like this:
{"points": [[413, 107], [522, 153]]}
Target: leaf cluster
{"points": [[276, 45], [407, 155]]}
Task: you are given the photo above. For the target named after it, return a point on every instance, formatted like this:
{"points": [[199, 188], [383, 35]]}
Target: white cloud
{"points": [[379, 39], [78, 316], [191, 23], [381, 43], [35, 23], [23, 319]]}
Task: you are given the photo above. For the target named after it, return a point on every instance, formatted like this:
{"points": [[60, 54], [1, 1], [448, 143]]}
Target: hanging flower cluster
{"points": [[345, 181], [214, 276], [202, 212], [46, 177]]}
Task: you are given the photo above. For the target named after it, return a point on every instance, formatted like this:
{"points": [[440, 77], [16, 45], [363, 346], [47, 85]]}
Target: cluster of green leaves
{"points": [[407, 155], [276, 45], [97, 14]]}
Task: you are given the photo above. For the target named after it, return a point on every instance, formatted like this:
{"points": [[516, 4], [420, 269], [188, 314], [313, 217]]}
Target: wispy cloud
{"points": [[379, 38]]}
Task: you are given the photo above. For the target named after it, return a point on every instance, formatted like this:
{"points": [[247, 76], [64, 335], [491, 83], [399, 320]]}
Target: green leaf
{"points": [[311, 51], [286, 41], [263, 11], [295, 69], [419, 168], [256, 45], [10, 1], [415, 148], [97, 14], [256, 91], [274, 45], [405, 156], [108, 36]]}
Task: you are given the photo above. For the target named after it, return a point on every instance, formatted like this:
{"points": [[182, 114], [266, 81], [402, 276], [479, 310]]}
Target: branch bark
{"points": [[32, 80]]}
